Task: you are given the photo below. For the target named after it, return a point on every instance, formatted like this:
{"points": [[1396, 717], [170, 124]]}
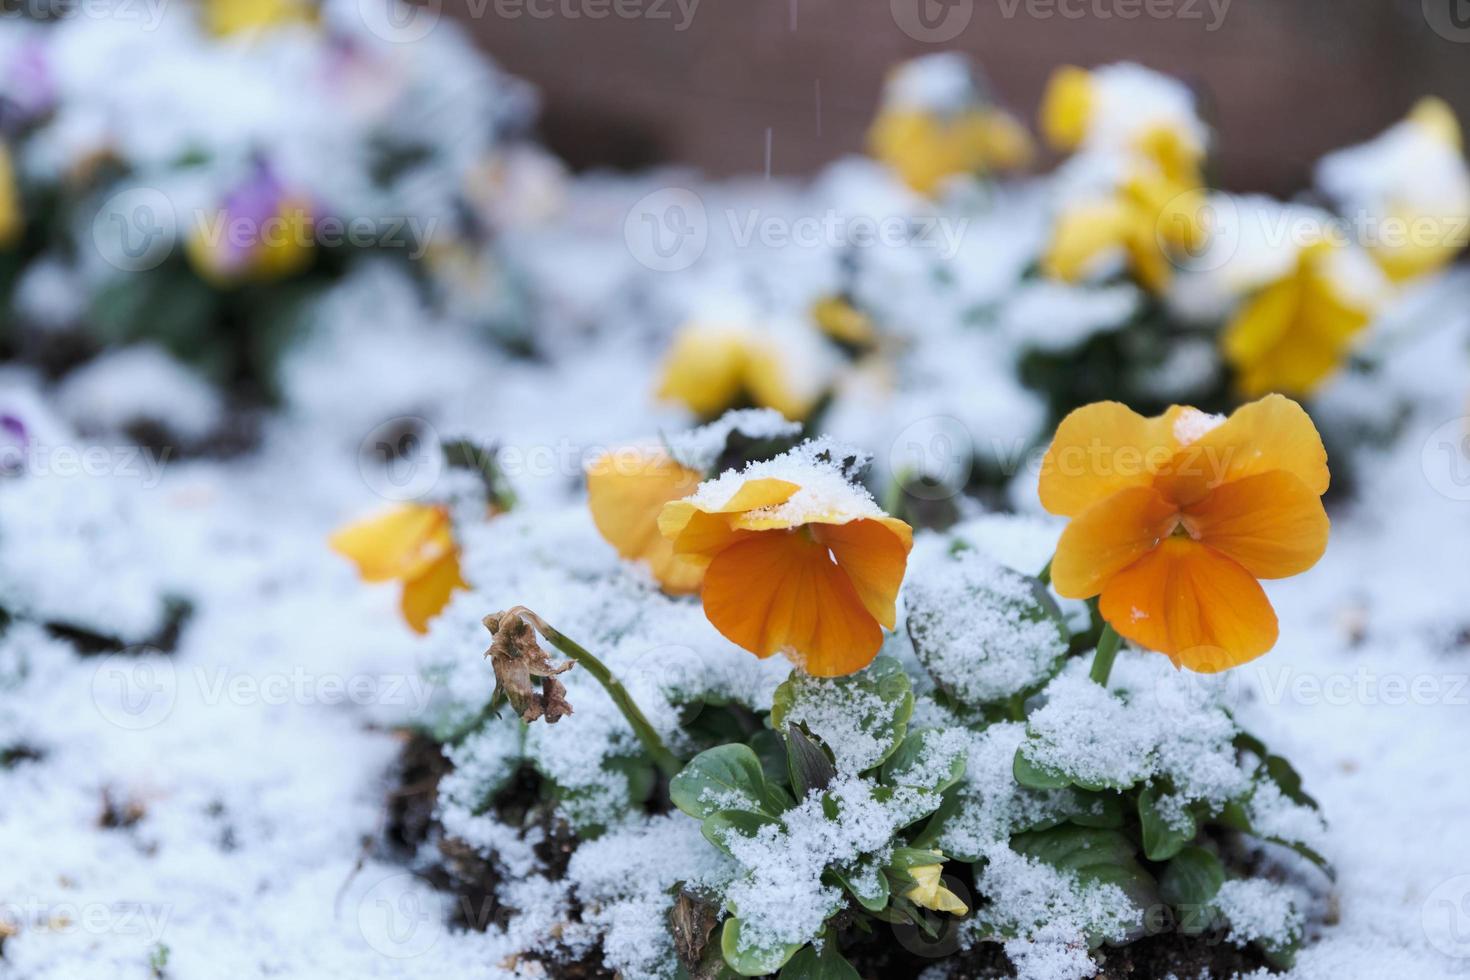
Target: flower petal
{"points": [[1193, 604], [781, 591], [1274, 433], [1271, 524], [396, 544], [626, 491], [1108, 537], [701, 532], [1100, 449], [874, 557], [425, 596], [705, 369]]}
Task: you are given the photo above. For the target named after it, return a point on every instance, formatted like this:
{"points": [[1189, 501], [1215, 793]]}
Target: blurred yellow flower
{"points": [[1175, 517], [261, 232], [713, 368], [626, 490], [836, 317], [810, 572], [412, 544], [929, 891], [11, 219], [1296, 332], [925, 148], [1149, 221], [1436, 232], [225, 17], [1066, 108]]}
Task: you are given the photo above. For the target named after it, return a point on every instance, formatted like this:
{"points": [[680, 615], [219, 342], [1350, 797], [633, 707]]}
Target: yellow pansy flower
{"points": [[413, 544], [1066, 108], [626, 491], [1296, 332], [1147, 221], [712, 368], [925, 149], [225, 17], [839, 319], [11, 219], [1120, 108], [929, 891]]}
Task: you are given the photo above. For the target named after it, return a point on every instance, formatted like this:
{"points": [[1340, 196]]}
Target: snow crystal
{"points": [[816, 467], [699, 448], [1260, 910], [1192, 424]]}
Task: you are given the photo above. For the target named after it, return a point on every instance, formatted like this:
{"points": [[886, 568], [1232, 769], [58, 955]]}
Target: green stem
{"points": [[1107, 652], [662, 757], [1045, 574]]}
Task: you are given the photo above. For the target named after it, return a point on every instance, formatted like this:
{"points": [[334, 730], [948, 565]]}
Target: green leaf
{"points": [[718, 826], [1034, 776], [752, 962], [869, 886], [1097, 809], [829, 964], [1288, 779], [1162, 839], [1191, 879], [984, 632], [1096, 855], [922, 762], [771, 751], [719, 779], [808, 764], [862, 717]]}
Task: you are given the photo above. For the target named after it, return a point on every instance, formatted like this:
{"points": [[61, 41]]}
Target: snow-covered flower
{"points": [[936, 124], [798, 560], [1175, 517], [261, 232], [1121, 108], [1409, 188], [713, 367]]}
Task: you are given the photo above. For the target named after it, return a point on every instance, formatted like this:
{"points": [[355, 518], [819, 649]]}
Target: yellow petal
{"points": [[1100, 449], [397, 544], [1066, 108], [705, 369], [626, 492], [782, 591], [427, 594], [1082, 235], [700, 532], [1435, 117], [770, 384], [1274, 433], [1108, 537], [840, 320], [224, 17], [1201, 609], [1271, 524]]}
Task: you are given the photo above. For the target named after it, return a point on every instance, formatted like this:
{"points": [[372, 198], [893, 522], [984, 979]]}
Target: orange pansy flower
{"points": [[413, 544], [1174, 518], [626, 490], [809, 569]]}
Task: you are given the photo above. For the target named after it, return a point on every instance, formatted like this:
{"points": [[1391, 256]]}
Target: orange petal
{"points": [[782, 591], [700, 532], [425, 596], [1100, 449], [1274, 433], [1108, 537], [1192, 603], [394, 545], [874, 556], [1271, 524], [626, 491]]}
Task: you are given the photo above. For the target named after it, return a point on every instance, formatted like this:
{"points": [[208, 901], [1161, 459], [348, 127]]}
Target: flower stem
{"points": [[1107, 652], [652, 743]]}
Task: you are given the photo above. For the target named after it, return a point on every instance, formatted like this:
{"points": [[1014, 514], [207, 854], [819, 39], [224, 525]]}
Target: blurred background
{"points": [[703, 81]]}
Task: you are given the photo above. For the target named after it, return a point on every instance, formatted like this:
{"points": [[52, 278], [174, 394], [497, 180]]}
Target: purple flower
{"points": [[14, 440]]}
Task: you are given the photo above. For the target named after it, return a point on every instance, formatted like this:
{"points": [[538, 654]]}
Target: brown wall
{"points": [[1284, 80]]}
